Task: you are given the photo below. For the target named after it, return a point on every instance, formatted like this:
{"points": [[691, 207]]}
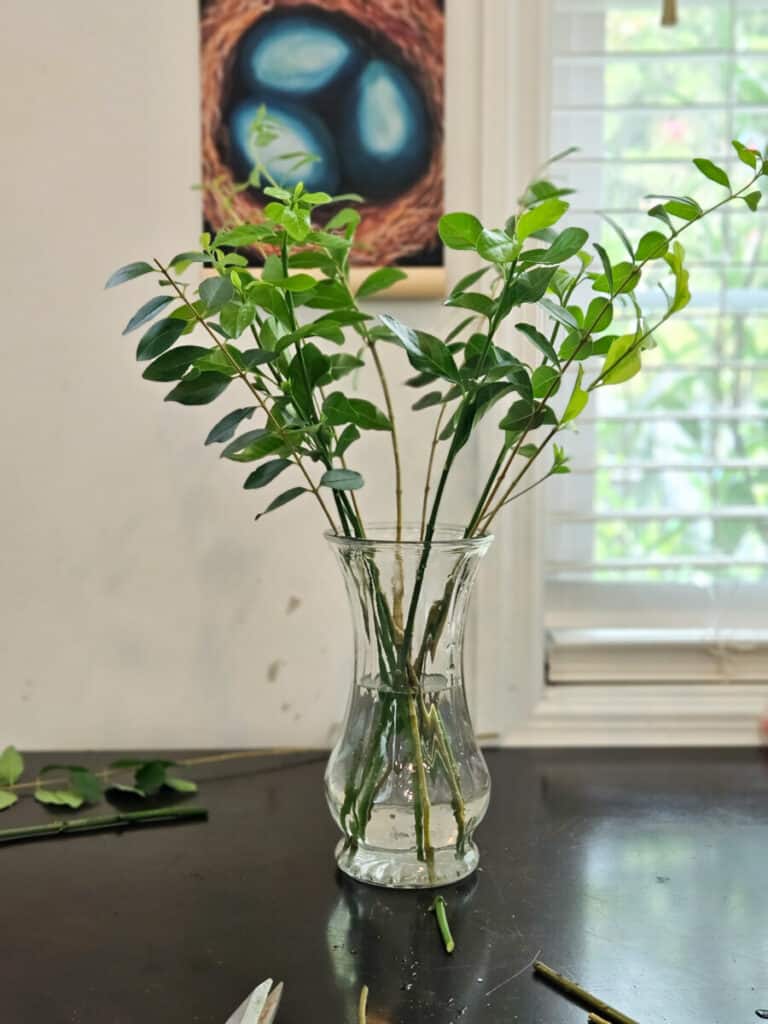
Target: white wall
{"points": [[141, 606]]}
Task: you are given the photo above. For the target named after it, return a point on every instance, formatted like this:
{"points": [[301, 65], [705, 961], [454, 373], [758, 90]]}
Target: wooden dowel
{"points": [[669, 13], [570, 988]]}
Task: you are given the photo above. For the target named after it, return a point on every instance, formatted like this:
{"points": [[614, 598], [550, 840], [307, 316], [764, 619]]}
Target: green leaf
{"points": [[545, 381], [7, 799], [529, 287], [652, 246], [542, 216], [338, 410], [159, 338], [266, 473], [496, 246], [745, 154], [308, 366], [121, 787], [182, 260], [519, 417], [248, 438], [566, 245], [150, 776], [607, 268], [342, 480], [216, 292], [683, 208], [467, 281], [340, 365], [675, 260], [216, 360], [559, 313], [438, 358], [459, 230], [712, 171], [475, 301], [147, 312], [626, 277], [11, 766], [661, 214], [226, 427], [527, 451], [59, 798], [403, 334], [236, 316], [198, 390], [577, 401], [283, 499], [380, 280], [752, 200], [85, 784], [622, 361], [347, 437], [427, 401], [253, 357], [542, 343], [180, 785], [599, 315], [242, 235], [174, 364], [128, 272]]}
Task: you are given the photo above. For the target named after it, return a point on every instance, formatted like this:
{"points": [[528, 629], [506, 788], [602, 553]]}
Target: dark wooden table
{"points": [[643, 874]]}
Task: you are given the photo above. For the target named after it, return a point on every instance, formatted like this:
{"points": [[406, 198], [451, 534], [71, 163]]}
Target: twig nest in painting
{"points": [[356, 83]]}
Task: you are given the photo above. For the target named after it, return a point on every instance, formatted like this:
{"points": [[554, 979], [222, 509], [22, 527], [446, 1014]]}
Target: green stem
{"points": [[108, 821], [362, 1006], [574, 991], [440, 909]]}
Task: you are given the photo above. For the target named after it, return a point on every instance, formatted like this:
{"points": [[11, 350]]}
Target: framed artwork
{"points": [[355, 92]]}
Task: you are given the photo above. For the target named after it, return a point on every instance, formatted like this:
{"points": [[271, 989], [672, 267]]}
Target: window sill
{"points": [[649, 715]]}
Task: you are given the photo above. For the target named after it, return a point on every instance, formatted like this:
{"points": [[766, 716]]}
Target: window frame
{"points": [[512, 702]]}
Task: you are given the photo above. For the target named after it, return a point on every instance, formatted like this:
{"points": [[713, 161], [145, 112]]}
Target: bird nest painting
{"points": [[355, 89]]}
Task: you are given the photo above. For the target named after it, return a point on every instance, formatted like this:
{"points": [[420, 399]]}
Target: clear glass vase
{"points": [[407, 783]]}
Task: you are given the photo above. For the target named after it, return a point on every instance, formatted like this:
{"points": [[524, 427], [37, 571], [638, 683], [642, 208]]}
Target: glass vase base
{"points": [[401, 870]]}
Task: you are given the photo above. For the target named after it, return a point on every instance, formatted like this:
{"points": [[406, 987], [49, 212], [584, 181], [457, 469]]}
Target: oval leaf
{"points": [[7, 799], [226, 427], [712, 171], [198, 390], [59, 798], [159, 338], [11, 766], [622, 361], [459, 230], [342, 480], [174, 364], [380, 280], [283, 499], [266, 474], [128, 272], [146, 312]]}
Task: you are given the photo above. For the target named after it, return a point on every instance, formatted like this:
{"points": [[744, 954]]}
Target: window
{"points": [[657, 553]]}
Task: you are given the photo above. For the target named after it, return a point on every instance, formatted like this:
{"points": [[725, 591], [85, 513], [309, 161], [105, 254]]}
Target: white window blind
{"points": [[657, 560]]}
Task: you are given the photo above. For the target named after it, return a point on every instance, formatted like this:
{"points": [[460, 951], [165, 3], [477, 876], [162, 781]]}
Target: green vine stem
{"points": [[125, 819]]}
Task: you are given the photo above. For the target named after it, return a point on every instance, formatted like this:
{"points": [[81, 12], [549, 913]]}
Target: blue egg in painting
{"points": [[300, 132], [298, 55], [385, 142]]}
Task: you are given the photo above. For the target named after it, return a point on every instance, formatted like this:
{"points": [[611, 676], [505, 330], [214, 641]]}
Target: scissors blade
{"points": [[250, 1010], [269, 1012]]}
